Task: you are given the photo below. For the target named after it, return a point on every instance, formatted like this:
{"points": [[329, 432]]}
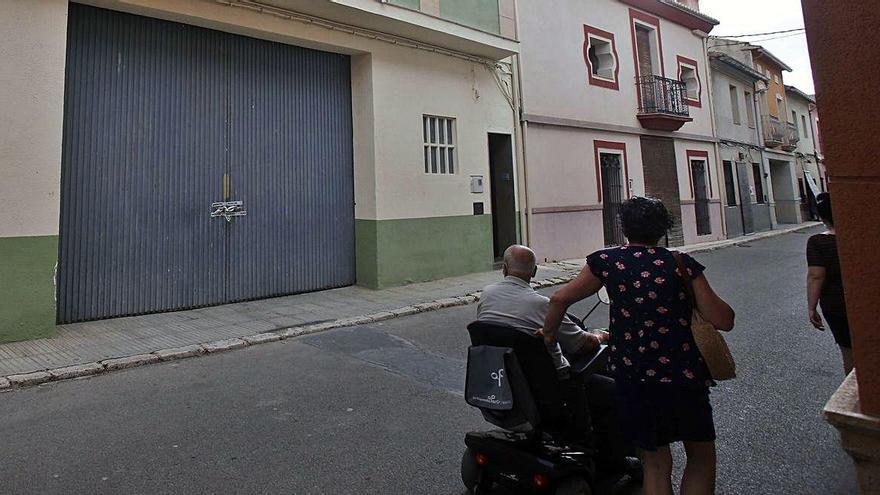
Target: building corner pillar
{"points": [[859, 434]]}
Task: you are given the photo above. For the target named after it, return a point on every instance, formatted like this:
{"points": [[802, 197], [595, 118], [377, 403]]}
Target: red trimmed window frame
{"points": [[654, 22], [598, 146], [691, 63], [698, 156], [592, 78]]}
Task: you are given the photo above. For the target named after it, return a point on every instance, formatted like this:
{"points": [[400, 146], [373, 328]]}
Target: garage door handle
{"points": [[227, 210]]}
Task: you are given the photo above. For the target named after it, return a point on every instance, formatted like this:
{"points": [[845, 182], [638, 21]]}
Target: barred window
{"points": [[439, 138]]}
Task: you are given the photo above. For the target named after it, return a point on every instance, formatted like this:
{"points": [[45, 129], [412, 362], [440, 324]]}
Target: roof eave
{"points": [[674, 12], [738, 66], [800, 93], [767, 54]]}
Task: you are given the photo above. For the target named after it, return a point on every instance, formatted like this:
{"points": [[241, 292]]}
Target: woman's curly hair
{"points": [[644, 220]]}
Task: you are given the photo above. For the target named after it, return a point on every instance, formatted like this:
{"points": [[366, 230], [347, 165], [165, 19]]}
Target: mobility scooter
{"points": [[545, 443]]}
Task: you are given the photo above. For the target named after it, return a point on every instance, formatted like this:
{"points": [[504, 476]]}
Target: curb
{"points": [[739, 241], [23, 380]]}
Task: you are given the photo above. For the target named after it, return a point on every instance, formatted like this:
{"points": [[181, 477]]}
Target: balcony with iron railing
{"points": [[792, 137], [662, 103], [778, 134]]}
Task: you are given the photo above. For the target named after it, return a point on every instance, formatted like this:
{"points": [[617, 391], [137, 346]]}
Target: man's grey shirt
{"points": [[513, 302]]}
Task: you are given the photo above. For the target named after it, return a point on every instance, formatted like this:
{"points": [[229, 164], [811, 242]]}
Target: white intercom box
{"points": [[476, 184]]}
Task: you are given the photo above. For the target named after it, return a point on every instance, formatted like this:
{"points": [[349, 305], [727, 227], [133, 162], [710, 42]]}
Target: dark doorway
{"points": [[612, 197], [661, 180], [701, 197], [502, 192]]}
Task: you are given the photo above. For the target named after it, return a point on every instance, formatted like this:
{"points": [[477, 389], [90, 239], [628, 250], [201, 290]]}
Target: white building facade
{"points": [[813, 179], [615, 103]]}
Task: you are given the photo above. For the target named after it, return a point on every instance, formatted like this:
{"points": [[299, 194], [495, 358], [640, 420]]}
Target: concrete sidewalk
{"points": [[93, 347], [132, 341]]}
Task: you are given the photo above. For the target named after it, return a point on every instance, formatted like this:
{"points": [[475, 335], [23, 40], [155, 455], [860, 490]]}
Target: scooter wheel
{"points": [[573, 486], [471, 473]]}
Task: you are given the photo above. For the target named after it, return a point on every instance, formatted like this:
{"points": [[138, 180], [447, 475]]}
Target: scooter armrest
{"points": [[593, 363]]}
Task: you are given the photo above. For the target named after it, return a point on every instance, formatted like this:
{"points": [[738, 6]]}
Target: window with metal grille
{"points": [[439, 139]]}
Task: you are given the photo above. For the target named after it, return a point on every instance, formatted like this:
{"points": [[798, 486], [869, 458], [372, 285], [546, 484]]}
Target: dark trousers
{"points": [[609, 439]]}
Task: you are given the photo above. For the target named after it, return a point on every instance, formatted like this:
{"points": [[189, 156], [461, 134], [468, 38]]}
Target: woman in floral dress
{"points": [[662, 380]]}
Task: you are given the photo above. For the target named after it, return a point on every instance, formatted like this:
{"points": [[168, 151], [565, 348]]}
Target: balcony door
{"points": [[645, 42]]}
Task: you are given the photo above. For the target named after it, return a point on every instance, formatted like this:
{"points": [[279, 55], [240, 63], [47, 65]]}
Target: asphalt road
{"points": [[379, 408]]}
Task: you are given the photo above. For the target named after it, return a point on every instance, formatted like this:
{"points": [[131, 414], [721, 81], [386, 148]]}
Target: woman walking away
{"points": [[825, 285], [662, 381]]}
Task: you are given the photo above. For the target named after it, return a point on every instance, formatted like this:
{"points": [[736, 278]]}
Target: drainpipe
{"points": [[769, 198], [522, 160], [520, 128], [810, 109], [722, 192]]}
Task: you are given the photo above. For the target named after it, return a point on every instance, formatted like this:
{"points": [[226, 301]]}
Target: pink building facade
{"points": [[615, 103]]}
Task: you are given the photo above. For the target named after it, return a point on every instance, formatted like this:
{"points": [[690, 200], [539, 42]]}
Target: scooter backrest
{"points": [[536, 392]]}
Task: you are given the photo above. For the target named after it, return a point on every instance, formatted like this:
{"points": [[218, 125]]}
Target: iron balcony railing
{"points": [[778, 133], [792, 137], [774, 131], [662, 95]]}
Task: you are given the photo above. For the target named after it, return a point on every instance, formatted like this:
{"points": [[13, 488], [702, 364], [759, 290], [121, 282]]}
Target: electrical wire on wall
{"points": [[502, 73]]}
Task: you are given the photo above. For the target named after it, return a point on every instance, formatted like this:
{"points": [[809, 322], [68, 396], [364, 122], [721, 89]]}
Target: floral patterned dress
{"points": [[650, 336]]}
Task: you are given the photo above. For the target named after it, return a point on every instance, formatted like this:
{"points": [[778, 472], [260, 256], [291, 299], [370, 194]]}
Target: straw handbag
{"points": [[709, 340]]}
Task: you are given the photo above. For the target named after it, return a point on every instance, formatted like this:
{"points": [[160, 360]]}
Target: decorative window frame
{"points": [[614, 148], [699, 156], [590, 33], [649, 21], [684, 62]]}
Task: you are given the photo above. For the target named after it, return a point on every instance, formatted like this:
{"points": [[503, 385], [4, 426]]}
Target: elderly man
{"points": [[514, 303]]}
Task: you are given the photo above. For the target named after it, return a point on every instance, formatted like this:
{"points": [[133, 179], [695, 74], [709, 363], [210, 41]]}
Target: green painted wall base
{"points": [[398, 252], [27, 289]]}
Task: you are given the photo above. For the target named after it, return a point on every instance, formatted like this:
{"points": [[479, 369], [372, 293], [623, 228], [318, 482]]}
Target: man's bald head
{"points": [[520, 262]]}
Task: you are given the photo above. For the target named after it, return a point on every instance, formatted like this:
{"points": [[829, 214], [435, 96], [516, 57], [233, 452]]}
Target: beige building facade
{"points": [[431, 117], [737, 89], [780, 137]]}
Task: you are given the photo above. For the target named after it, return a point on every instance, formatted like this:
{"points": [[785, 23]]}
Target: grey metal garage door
{"points": [[166, 127]]}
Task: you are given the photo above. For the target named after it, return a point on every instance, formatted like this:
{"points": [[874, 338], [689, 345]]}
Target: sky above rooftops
{"points": [[764, 16]]}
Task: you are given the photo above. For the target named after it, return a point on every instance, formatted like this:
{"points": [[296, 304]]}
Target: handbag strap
{"points": [[686, 278]]}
